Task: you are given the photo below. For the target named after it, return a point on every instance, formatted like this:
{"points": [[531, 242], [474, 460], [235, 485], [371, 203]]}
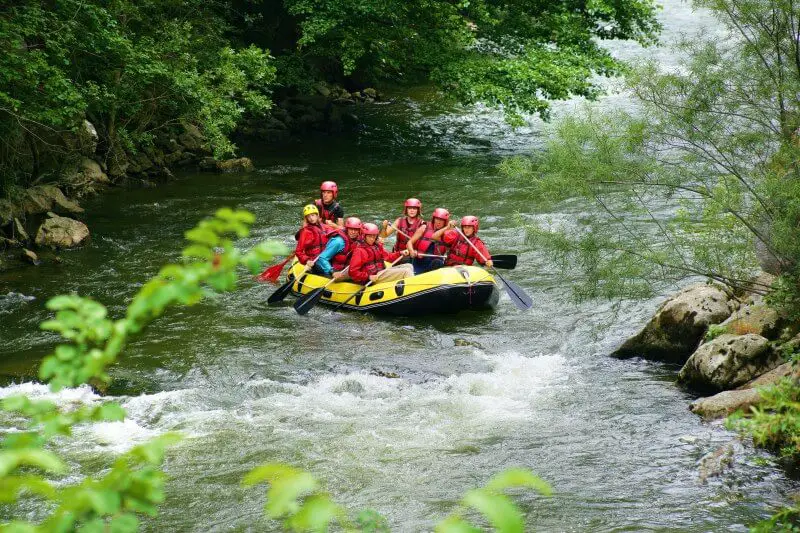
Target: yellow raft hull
{"points": [[445, 290]]}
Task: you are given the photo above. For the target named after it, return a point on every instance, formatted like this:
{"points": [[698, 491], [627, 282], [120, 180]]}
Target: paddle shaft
{"points": [[512, 291], [398, 230], [305, 303], [370, 282], [281, 292]]}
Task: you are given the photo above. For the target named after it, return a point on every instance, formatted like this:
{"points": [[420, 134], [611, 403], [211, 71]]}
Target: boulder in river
{"points": [[759, 319], [242, 164], [724, 403], [61, 232], [44, 198], [679, 324], [772, 377], [728, 361]]}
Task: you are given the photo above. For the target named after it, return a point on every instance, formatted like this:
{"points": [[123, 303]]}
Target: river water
{"points": [[402, 415]]}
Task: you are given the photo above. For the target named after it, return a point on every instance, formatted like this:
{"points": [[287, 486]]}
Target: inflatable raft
{"points": [[446, 290]]}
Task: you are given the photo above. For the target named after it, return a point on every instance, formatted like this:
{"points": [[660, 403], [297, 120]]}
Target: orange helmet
{"points": [[329, 186], [470, 220], [441, 212], [369, 229], [352, 223]]}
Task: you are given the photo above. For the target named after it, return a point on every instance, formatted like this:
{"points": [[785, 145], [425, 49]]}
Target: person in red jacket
{"points": [[460, 252], [311, 238], [422, 242], [368, 259], [407, 224]]}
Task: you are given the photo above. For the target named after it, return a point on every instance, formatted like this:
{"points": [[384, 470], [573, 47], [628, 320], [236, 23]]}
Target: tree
{"points": [[517, 54], [716, 140], [131, 68]]}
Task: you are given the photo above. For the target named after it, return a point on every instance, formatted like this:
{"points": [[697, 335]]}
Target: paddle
{"points": [[272, 273], [508, 262], [365, 286], [305, 303], [518, 296], [281, 292]]}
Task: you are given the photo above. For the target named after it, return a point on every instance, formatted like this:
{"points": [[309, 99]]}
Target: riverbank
{"points": [[39, 221], [729, 343]]}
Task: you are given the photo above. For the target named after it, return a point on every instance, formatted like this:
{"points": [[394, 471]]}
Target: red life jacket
{"points": [[374, 263], [461, 253], [426, 245], [324, 212], [408, 228], [340, 260], [317, 244]]}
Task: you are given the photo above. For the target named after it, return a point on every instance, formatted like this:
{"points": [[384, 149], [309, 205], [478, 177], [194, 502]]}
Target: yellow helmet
{"points": [[310, 209]]}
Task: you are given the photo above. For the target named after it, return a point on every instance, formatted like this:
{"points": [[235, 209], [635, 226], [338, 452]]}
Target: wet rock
{"points": [[724, 403], [772, 377], [758, 319], [61, 232], [242, 164], [8, 211], [679, 324], [19, 231], [173, 157], [322, 88], [30, 257], [87, 136], [369, 92], [714, 463], [465, 342], [207, 163], [192, 138], [384, 373], [44, 198], [90, 170], [344, 101], [728, 361]]}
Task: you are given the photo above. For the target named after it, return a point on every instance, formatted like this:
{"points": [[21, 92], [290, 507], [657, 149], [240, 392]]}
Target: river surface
{"points": [[402, 415]]}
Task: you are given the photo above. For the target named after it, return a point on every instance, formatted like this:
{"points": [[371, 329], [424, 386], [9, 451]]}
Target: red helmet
{"points": [[369, 229], [329, 186], [441, 212], [470, 220], [352, 223], [413, 202]]}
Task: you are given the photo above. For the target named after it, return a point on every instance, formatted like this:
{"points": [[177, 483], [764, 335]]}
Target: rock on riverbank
{"points": [[679, 324], [729, 345]]}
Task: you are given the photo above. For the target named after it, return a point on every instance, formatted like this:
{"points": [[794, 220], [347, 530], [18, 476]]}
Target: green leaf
{"points": [[498, 510], [284, 492], [112, 412], [104, 502], [316, 514], [518, 477], [10, 460], [199, 251], [455, 524], [125, 523]]}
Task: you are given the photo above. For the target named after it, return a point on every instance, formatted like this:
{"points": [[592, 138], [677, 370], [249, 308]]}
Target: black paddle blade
{"points": [[518, 296], [304, 304], [280, 293], [508, 262]]}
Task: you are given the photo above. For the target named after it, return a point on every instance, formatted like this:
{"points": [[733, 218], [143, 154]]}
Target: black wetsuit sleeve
{"points": [[338, 212]]}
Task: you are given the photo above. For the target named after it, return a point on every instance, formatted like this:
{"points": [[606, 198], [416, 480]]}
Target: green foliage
{"points": [[133, 484], [694, 182], [714, 331], [512, 54], [295, 496], [775, 424], [131, 68]]}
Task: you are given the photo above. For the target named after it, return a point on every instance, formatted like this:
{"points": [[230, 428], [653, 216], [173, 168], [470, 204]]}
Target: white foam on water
{"points": [[390, 411], [40, 391]]}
